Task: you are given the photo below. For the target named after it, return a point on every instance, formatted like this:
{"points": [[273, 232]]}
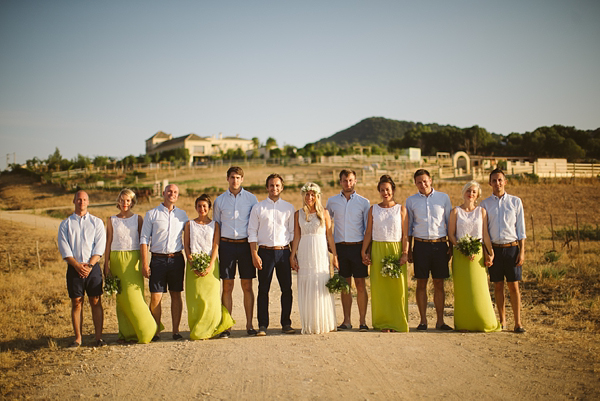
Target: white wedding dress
{"points": [[315, 302]]}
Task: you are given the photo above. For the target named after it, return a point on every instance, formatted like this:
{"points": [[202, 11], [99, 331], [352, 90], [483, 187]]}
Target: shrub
{"points": [[552, 256]]}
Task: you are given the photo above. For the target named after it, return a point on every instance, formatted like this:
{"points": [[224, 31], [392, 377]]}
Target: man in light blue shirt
{"points": [[506, 225], [232, 212], [428, 212], [349, 212], [81, 242], [162, 232]]}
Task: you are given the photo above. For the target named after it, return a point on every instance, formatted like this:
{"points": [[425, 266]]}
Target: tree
{"points": [[256, 142], [271, 143], [54, 160], [81, 161], [100, 161], [129, 161]]}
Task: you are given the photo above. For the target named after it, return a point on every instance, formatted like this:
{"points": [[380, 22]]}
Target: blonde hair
{"points": [[127, 192], [469, 185], [312, 187]]}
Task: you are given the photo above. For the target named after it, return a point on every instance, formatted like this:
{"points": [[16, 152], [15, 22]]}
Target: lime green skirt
{"points": [[473, 309], [134, 317], [207, 317], [389, 296]]}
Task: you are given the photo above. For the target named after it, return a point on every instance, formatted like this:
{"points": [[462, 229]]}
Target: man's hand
{"points": [[146, 271], [83, 269], [336, 264], [256, 261], [366, 258], [294, 263], [410, 256], [403, 259], [521, 258]]}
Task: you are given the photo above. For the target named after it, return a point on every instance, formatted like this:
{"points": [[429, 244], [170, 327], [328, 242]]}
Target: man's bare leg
{"points": [[176, 309], [248, 301], [439, 297], [515, 301], [77, 317], [362, 299], [97, 315], [499, 297], [227, 296], [347, 304], [155, 308], [421, 296]]}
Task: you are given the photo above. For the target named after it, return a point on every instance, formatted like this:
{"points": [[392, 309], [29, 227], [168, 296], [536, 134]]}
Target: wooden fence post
{"points": [[9, 263], [577, 226], [552, 230], [37, 251], [533, 234]]}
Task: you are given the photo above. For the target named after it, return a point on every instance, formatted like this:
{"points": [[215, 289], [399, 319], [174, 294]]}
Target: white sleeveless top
{"points": [[201, 236], [387, 223], [469, 223], [126, 236]]}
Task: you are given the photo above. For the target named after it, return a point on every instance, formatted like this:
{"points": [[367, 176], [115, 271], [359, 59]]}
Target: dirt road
{"points": [[349, 365]]}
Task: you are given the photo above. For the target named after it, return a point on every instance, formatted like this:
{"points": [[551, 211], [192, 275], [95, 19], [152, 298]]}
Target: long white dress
{"points": [[315, 303]]}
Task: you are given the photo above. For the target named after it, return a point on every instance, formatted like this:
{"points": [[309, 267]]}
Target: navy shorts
{"points": [[167, 273], [350, 261], [78, 287], [431, 257], [505, 265], [232, 254]]}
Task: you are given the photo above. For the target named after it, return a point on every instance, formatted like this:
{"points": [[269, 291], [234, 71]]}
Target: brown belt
{"points": [[274, 248], [235, 241], [349, 243], [443, 239], [515, 243], [166, 255]]}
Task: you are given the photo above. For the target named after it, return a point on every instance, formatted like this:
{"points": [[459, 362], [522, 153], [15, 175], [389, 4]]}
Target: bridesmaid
{"points": [[207, 317], [473, 310], [123, 245], [387, 228]]}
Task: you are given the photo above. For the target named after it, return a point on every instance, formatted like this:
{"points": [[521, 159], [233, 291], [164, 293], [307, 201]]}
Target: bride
{"points": [[309, 257]]}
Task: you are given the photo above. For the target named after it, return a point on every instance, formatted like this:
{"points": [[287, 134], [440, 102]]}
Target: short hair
{"points": [[386, 178], [235, 170], [346, 172], [470, 184], [203, 198], [271, 176], [497, 171], [78, 192], [127, 192], [421, 171]]}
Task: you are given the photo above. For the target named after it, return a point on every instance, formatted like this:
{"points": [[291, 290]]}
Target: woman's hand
{"points": [[403, 259], [294, 263], [366, 259], [336, 264]]}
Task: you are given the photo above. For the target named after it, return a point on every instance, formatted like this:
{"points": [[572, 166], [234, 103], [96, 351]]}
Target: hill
{"points": [[377, 131]]}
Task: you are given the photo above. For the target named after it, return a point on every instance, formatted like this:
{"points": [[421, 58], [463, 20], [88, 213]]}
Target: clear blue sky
{"points": [[100, 77]]}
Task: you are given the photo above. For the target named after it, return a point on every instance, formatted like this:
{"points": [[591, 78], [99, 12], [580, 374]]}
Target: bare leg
{"points": [[499, 296], [248, 301], [439, 298], [362, 299], [77, 317], [347, 304], [227, 296], [176, 310], [421, 295], [155, 307], [515, 301], [97, 315]]}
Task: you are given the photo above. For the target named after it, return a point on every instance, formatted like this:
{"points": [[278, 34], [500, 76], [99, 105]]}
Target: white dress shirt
{"points": [[506, 220], [81, 237], [349, 217], [232, 213], [428, 215], [163, 229], [271, 223]]}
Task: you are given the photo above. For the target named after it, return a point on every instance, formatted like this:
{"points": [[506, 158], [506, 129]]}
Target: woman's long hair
{"points": [[312, 187]]}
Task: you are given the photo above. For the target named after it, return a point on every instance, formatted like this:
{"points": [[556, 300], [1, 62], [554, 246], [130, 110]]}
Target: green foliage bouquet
{"points": [[469, 246], [112, 285], [200, 261], [391, 266], [338, 284]]}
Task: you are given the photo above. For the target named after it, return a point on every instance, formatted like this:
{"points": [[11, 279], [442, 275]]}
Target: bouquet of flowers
{"points": [[200, 261], [112, 285], [338, 284], [391, 266], [469, 246]]}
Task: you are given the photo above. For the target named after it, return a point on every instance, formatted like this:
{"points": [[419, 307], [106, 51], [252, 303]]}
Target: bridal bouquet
{"points": [[338, 284], [469, 246], [200, 261], [112, 285], [391, 266]]}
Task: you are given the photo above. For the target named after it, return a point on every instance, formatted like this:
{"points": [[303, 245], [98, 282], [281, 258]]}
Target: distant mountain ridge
{"points": [[376, 131]]}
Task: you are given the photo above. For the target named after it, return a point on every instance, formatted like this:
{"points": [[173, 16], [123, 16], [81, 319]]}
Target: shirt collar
{"points": [[344, 196], [84, 217], [425, 196], [499, 197], [165, 208], [231, 193]]}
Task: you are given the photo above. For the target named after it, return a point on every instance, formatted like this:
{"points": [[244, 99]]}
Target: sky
{"points": [[98, 78]]}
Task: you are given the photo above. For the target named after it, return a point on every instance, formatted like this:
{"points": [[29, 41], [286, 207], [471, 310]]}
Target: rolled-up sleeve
{"points": [[253, 224], [63, 240], [520, 220], [99, 238], [447, 210], [366, 207], [409, 211], [217, 210], [146, 229]]}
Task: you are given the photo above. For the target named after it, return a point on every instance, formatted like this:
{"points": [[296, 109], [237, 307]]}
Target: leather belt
{"points": [[430, 241], [234, 241], [349, 243], [510, 244], [166, 255], [274, 248]]}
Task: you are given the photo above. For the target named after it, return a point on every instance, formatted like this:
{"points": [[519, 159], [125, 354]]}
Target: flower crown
{"points": [[311, 187]]}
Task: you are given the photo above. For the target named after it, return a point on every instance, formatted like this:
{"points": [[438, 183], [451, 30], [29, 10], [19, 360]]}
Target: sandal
{"points": [[74, 345], [344, 326], [422, 327]]}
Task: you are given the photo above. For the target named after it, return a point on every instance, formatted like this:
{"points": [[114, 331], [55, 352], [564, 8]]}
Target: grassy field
{"points": [[561, 290]]}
